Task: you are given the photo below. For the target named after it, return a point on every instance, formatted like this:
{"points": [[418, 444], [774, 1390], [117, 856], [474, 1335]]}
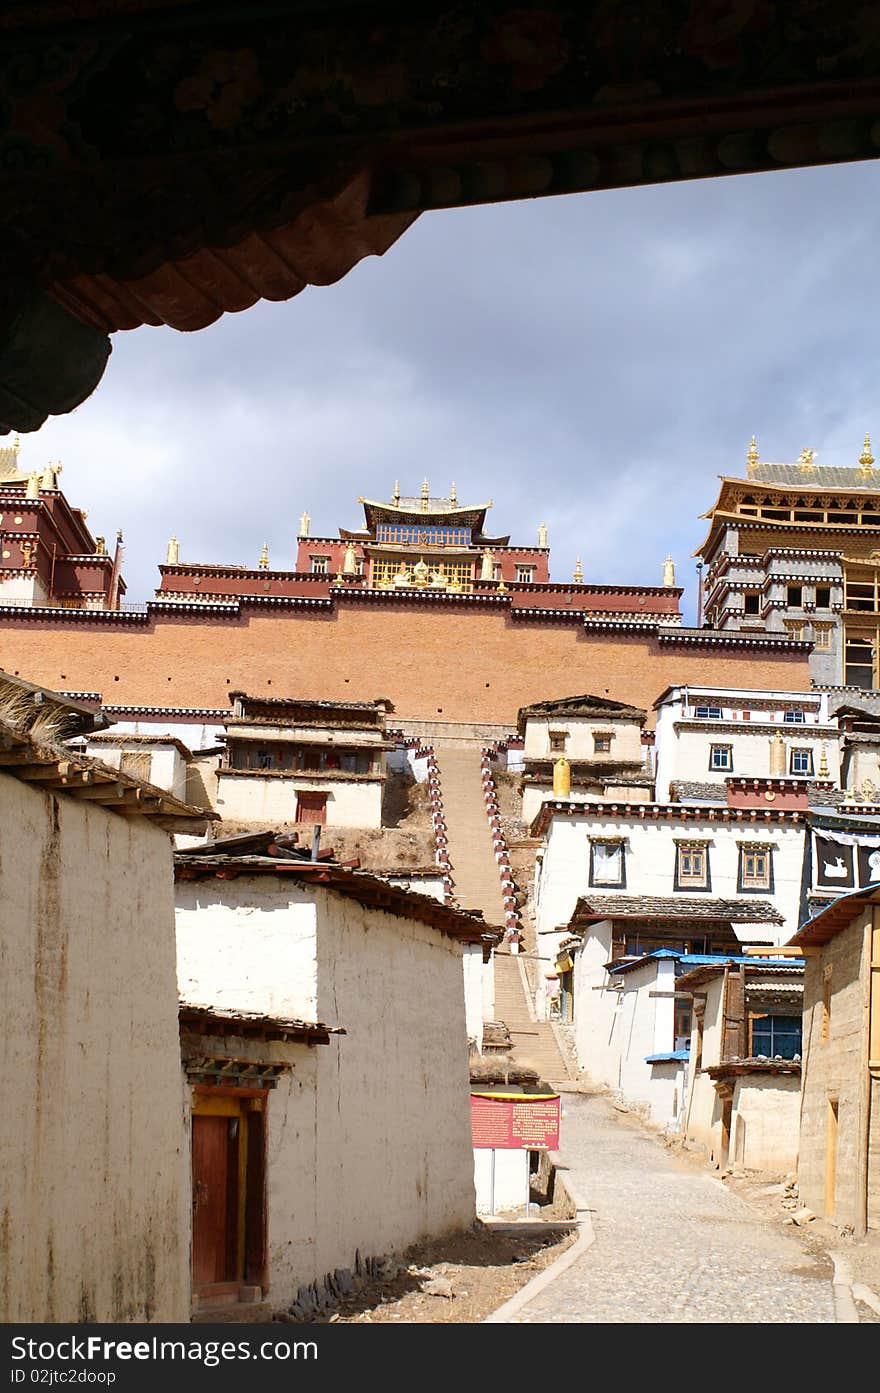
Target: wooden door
{"points": [[311, 807], [215, 1188]]}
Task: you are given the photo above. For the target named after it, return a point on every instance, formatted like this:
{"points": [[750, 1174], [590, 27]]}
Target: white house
{"points": [[706, 734], [368, 1138], [689, 856], [600, 739], [298, 760], [744, 1096]]}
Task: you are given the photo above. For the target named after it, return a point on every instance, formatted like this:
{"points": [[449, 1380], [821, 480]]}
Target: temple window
{"points": [[602, 742], [822, 635], [801, 761], [692, 866], [794, 717], [795, 595], [320, 565], [755, 870], [721, 758], [752, 602], [708, 713], [525, 574], [557, 741], [607, 862], [823, 596]]}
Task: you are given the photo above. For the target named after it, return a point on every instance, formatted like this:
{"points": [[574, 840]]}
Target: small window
{"points": [[524, 574], [607, 864], [794, 628], [721, 757], [776, 1035], [823, 596], [320, 565], [602, 742], [752, 602], [801, 761], [755, 868], [795, 596], [708, 713], [822, 636], [692, 867], [794, 717], [558, 739]]}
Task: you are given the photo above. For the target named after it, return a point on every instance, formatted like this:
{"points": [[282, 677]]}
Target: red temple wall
{"points": [[431, 662]]}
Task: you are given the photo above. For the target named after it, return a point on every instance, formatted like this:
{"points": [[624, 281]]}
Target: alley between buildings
{"points": [[672, 1243]]}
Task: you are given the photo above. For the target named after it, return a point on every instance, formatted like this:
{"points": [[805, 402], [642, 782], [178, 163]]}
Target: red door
{"points": [[311, 807], [215, 1170]]}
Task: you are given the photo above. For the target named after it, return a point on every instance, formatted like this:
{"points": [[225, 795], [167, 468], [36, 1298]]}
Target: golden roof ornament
{"points": [[50, 478], [542, 534], [101, 546], [172, 555], [453, 496], [264, 557], [395, 497], [805, 460], [426, 495], [866, 458], [823, 762], [305, 523], [349, 562], [669, 571], [578, 572], [33, 486], [752, 459]]}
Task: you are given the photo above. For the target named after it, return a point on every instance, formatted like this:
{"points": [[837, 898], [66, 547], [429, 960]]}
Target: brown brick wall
{"points": [[461, 666], [833, 1068]]}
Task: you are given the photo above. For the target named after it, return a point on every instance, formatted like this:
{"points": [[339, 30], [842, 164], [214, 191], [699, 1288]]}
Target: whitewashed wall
{"points": [[650, 868], [267, 801], [167, 765], [626, 743], [703, 1113], [91, 1186]]}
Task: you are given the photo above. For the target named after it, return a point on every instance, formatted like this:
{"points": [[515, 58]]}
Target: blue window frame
{"points": [[801, 761], [708, 713], [776, 1035], [794, 718]]}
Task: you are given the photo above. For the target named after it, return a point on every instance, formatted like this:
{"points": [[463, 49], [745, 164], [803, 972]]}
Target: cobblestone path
{"points": [[672, 1243]]}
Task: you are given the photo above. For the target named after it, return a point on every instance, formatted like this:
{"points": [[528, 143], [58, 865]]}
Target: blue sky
{"points": [[594, 362]]}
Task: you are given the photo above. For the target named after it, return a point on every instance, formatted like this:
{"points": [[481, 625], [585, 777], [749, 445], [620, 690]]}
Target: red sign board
{"points": [[515, 1122]]}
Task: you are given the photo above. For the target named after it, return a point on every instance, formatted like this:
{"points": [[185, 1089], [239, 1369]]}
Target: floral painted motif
{"points": [[531, 43], [224, 85]]}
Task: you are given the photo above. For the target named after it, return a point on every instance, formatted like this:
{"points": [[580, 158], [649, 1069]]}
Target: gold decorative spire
{"points": [[305, 523], [395, 497], [349, 562], [669, 571], [264, 557], [866, 459], [453, 496], [805, 460], [578, 572], [823, 762], [752, 458], [172, 555], [542, 534], [33, 486], [487, 569], [425, 495], [49, 479], [101, 546]]}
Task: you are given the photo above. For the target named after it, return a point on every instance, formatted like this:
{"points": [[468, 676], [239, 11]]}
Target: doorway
{"points": [[228, 1191]]}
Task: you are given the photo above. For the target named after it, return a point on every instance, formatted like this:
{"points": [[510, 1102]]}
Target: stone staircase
{"points": [[477, 885]]}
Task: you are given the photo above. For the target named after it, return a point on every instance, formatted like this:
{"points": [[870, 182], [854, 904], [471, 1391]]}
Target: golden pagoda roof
{"points": [[425, 509]]}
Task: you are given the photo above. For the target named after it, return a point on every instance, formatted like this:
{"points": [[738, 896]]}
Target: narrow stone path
{"points": [[672, 1244], [475, 876], [533, 1042]]}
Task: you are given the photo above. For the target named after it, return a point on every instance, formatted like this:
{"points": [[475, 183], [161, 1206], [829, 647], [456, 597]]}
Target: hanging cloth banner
{"points": [[845, 860]]}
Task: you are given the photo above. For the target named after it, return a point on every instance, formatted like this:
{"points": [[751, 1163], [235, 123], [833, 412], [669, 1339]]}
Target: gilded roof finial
{"points": [[425, 495], [33, 486], [669, 571], [305, 523], [264, 557], [805, 460], [578, 572], [453, 496], [100, 546], [542, 534], [395, 497], [866, 459], [752, 458], [823, 762], [172, 555]]}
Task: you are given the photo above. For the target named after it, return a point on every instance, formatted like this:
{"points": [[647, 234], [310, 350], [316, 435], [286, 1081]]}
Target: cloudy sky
{"points": [[592, 361]]}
